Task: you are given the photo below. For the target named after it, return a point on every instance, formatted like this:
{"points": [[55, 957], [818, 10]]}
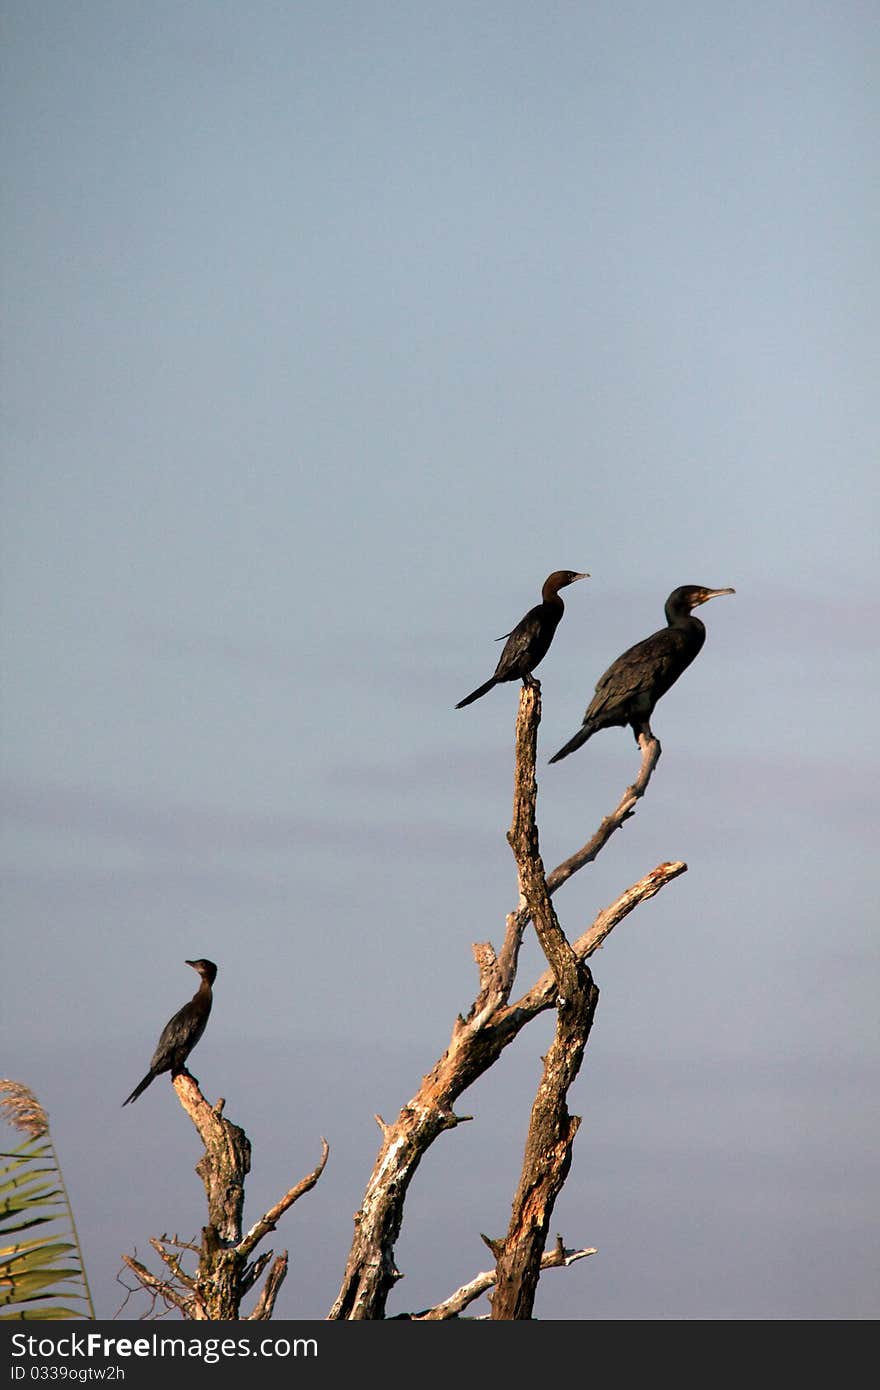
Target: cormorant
{"points": [[632, 685], [530, 640], [182, 1032]]}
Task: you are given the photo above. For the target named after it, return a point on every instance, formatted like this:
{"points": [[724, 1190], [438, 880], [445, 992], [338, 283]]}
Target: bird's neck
{"points": [[552, 599], [683, 618]]}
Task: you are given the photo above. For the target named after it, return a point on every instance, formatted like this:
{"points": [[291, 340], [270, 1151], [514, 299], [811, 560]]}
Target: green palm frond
{"points": [[33, 1193]]}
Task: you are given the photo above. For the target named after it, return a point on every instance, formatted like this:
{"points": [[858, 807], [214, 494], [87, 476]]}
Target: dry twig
{"points": [[456, 1303], [225, 1272]]}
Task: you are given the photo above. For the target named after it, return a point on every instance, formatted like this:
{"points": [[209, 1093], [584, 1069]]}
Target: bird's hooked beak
{"points": [[578, 576], [713, 593]]}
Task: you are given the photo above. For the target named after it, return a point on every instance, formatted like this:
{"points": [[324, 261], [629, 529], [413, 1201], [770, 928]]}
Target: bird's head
{"points": [[206, 968], [689, 596], [559, 579]]}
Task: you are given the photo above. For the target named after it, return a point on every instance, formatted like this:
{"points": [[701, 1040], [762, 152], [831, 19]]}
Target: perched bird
{"points": [[530, 640], [632, 685], [182, 1032]]}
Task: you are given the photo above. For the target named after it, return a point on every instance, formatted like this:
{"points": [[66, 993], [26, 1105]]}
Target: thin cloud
{"points": [[78, 813]]}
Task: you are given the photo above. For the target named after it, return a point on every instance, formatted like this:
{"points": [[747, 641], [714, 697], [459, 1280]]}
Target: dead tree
{"points": [[551, 1128], [226, 1267], [477, 1041]]}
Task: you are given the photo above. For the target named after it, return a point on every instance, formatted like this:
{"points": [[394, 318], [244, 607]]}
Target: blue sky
{"points": [[330, 329]]}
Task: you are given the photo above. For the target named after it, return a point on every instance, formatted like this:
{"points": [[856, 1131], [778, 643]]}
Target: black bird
{"points": [[530, 640], [182, 1032], [632, 685]]}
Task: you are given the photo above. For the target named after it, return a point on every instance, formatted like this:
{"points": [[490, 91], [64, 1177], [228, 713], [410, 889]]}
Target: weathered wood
{"points": [[274, 1279], [222, 1168], [518, 920], [477, 1041], [552, 1129], [225, 1273], [455, 1304]]}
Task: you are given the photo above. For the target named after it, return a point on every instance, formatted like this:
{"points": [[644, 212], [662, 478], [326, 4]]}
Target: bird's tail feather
{"points": [[141, 1086], [578, 741], [475, 694]]}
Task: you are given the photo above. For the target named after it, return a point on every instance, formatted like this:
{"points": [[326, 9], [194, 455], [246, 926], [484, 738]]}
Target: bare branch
{"points": [[224, 1271], [523, 840], [481, 1283], [552, 1129], [253, 1271], [491, 991], [173, 1263], [274, 1279], [160, 1288], [476, 1042], [518, 921], [542, 995], [560, 1258], [225, 1162], [625, 808], [273, 1215]]}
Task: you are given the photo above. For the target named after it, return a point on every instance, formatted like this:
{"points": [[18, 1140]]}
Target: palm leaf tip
{"points": [[22, 1110], [33, 1193]]}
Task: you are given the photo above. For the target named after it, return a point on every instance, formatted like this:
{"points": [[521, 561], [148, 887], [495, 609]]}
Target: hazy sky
{"points": [[329, 330]]}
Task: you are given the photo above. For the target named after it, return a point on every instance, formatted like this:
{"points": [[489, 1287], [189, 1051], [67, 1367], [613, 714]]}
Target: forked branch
{"points": [[225, 1272], [518, 921], [456, 1303], [478, 1040]]}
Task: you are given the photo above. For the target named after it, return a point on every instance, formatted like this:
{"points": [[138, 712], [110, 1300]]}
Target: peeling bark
{"points": [[224, 1273], [491, 1024], [552, 1129]]}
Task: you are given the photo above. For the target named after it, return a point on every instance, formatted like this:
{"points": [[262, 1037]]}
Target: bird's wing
{"points": [[170, 1036], [526, 644], [637, 672]]}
